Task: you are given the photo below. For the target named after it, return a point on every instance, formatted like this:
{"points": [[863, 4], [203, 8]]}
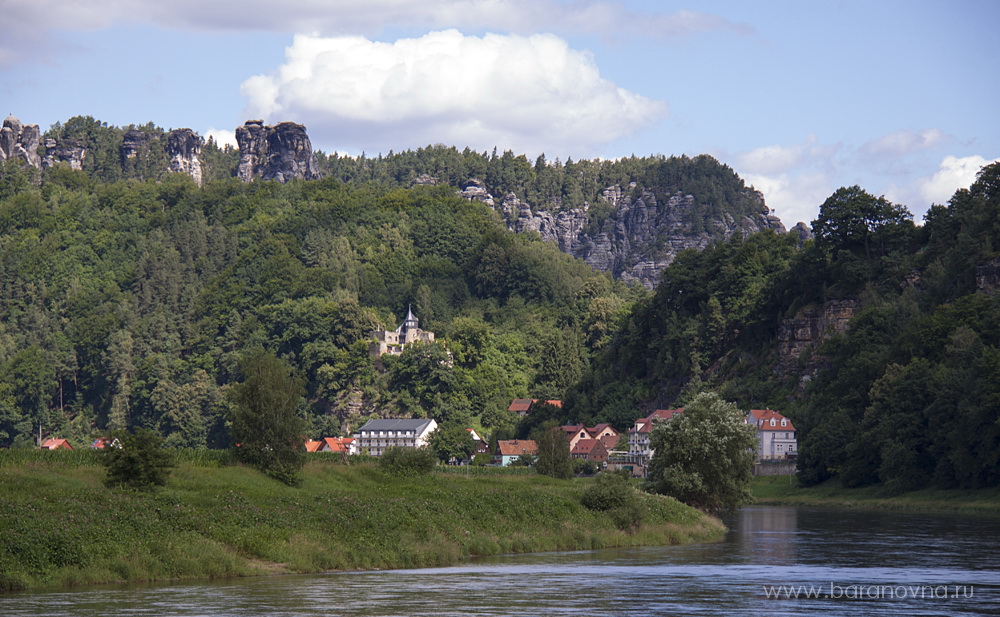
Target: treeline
{"points": [[127, 304], [543, 183], [908, 396]]}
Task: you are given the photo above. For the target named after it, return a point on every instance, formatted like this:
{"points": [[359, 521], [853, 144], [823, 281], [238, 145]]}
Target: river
{"points": [[857, 563]]}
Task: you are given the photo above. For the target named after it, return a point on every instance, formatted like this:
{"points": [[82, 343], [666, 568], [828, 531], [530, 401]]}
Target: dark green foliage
{"points": [[136, 460], [453, 441], [704, 456], [266, 431], [400, 461], [553, 458], [613, 493]]}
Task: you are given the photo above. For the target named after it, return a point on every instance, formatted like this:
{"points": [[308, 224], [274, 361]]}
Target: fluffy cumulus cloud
{"points": [[955, 173], [903, 143], [526, 93]]}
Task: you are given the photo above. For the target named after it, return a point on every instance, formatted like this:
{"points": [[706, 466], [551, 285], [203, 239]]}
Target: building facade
{"points": [[393, 342], [776, 438], [377, 435]]}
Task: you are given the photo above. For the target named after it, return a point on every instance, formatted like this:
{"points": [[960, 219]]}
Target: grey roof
{"points": [[396, 424]]}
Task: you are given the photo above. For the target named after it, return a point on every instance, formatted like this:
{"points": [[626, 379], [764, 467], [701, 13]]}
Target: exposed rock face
{"points": [[183, 152], [802, 334], [281, 152], [802, 231], [20, 141], [136, 144], [69, 151], [635, 241], [988, 277]]}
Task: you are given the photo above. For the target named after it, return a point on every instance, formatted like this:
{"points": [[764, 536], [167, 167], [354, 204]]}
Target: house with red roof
{"points": [[508, 450], [606, 434], [56, 444], [590, 449], [775, 435], [638, 435], [574, 433], [522, 406]]}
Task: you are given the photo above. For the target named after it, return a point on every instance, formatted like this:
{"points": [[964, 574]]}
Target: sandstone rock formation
{"points": [[799, 337], [136, 144], [69, 151], [20, 141], [184, 151], [281, 152], [638, 238]]}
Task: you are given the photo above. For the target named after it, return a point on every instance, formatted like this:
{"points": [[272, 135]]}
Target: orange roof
{"points": [[765, 416], [56, 444], [517, 447], [313, 445], [339, 444], [555, 403]]}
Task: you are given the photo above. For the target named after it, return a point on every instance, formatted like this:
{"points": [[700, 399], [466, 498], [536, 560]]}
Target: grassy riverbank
{"points": [[780, 490], [60, 527]]}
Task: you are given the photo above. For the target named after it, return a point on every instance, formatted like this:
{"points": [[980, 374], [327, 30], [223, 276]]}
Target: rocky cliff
{"points": [[20, 141], [282, 152], [184, 152], [633, 232], [799, 337]]}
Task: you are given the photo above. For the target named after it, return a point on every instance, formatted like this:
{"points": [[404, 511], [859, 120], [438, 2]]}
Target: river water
{"points": [[856, 563]]}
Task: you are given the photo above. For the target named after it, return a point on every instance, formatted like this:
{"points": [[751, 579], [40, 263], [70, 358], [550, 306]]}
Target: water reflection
{"points": [[768, 546]]}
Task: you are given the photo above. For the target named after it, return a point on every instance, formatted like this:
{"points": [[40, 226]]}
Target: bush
{"points": [[136, 460], [407, 461], [614, 494], [582, 466]]}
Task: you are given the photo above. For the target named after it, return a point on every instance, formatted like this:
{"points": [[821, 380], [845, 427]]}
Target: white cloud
{"points": [[27, 23], [903, 143], [222, 137], [955, 173], [794, 196], [526, 93]]}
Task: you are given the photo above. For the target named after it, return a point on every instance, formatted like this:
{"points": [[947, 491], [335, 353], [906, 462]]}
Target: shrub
{"points": [[136, 460], [407, 461], [614, 494]]}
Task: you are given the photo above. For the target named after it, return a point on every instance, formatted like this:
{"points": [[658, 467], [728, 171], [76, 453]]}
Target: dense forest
{"points": [[908, 395], [129, 295], [127, 303]]}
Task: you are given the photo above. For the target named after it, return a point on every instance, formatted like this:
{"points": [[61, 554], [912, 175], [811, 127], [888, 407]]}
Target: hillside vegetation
{"points": [[908, 396], [62, 527]]}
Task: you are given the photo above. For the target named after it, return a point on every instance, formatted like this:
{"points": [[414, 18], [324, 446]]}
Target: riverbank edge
{"points": [[62, 529], [784, 491]]}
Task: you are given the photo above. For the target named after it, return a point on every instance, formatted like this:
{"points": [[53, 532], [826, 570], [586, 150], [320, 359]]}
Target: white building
{"points": [[377, 435], [775, 435]]}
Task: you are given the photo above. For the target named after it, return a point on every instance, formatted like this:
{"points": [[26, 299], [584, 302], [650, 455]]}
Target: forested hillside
{"points": [[904, 391], [127, 303]]}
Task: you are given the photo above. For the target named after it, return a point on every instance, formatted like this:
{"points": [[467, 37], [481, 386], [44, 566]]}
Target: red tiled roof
{"points": [[555, 403], [765, 416], [517, 447], [521, 404], [339, 444], [313, 445], [584, 446], [56, 444]]}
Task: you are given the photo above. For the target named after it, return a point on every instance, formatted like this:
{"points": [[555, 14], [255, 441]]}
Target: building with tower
{"points": [[395, 341]]}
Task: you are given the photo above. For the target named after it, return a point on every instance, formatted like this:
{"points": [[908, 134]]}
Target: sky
{"points": [[799, 98]]}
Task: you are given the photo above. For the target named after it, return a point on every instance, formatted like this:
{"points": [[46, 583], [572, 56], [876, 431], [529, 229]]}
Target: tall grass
{"points": [[59, 526]]}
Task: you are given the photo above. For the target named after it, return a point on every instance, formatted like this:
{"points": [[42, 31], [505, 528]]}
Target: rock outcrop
{"points": [[638, 237], [20, 141], [800, 336], [184, 152], [281, 152], [68, 151], [136, 144]]}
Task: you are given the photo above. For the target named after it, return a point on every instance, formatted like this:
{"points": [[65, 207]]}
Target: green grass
{"points": [[61, 527], [778, 490]]}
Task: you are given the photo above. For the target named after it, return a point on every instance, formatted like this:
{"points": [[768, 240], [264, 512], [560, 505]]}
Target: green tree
{"points": [[704, 456], [852, 217], [553, 458], [453, 441], [136, 460], [265, 429]]}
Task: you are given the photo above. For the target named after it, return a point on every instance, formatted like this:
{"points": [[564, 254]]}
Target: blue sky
{"points": [[800, 98]]}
